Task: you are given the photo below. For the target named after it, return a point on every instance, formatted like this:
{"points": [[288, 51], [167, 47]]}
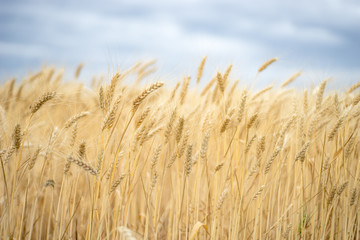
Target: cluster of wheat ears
{"points": [[148, 161]]}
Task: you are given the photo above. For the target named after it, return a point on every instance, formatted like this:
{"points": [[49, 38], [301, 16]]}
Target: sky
{"points": [[319, 37]]}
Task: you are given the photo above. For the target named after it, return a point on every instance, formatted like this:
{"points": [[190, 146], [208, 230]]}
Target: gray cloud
{"points": [[319, 37]]}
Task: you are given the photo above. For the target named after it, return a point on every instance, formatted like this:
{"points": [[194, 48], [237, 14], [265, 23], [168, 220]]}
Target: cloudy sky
{"points": [[321, 37]]}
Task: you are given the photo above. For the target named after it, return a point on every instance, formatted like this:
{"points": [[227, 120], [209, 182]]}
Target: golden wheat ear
{"points": [[42, 100], [266, 64], [291, 79], [139, 99], [200, 70]]}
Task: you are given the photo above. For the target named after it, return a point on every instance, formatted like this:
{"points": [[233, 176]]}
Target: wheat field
{"points": [[129, 158]]}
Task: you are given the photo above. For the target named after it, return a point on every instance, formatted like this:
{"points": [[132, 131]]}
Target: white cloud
{"points": [[239, 32], [286, 30], [21, 50]]}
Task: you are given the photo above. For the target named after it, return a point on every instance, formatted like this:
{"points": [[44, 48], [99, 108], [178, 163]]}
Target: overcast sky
{"points": [[321, 38]]}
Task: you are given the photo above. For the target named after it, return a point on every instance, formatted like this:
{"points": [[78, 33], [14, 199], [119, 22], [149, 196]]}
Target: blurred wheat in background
{"points": [[152, 161]]}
